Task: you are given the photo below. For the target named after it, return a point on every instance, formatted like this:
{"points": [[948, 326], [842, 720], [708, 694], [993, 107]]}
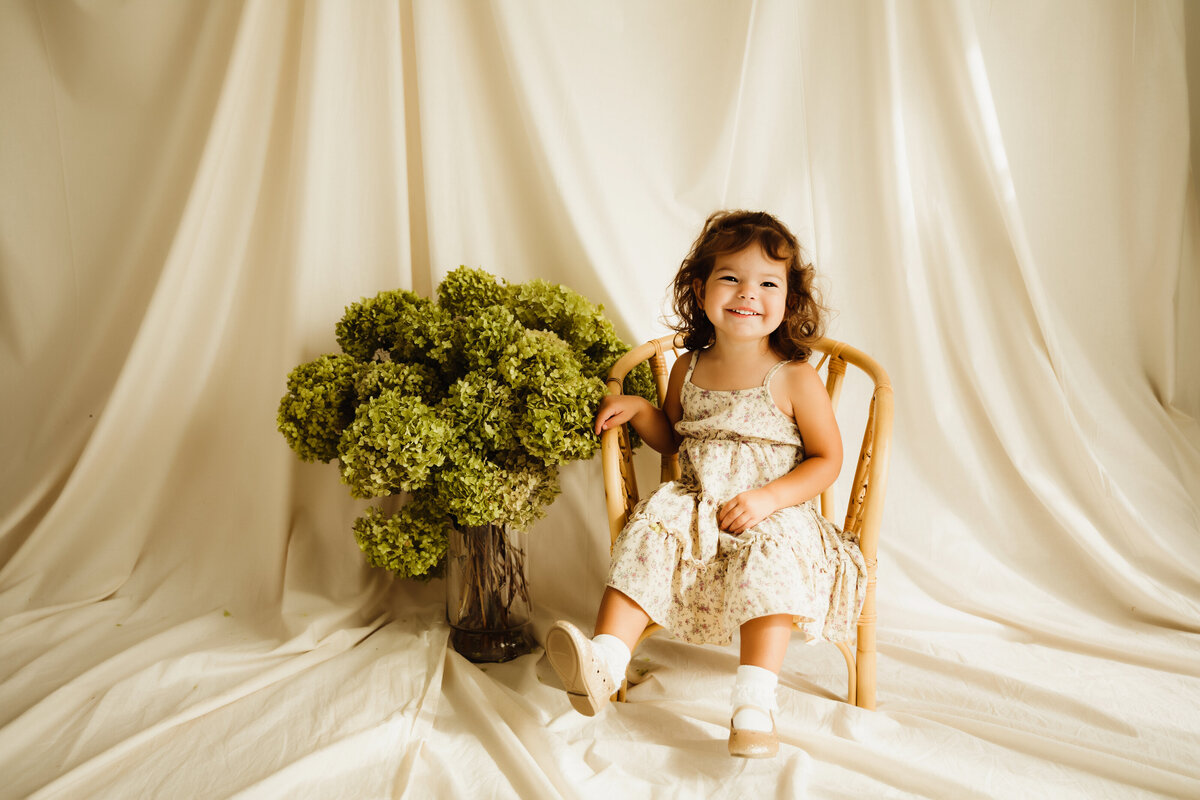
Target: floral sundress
{"points": [[702, 583]]}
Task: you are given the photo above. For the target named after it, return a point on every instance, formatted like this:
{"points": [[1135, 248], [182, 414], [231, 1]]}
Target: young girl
{"points": [[737, 543]]}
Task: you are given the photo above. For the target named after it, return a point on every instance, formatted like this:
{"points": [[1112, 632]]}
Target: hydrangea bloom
{"points": [[466, 406]]}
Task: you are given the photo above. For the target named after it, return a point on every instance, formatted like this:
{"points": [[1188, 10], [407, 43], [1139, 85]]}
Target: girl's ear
{"points": [[698, 289]]}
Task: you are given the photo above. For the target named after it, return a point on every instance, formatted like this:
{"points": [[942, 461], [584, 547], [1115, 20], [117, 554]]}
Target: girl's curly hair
{"points": [[730, 232]]}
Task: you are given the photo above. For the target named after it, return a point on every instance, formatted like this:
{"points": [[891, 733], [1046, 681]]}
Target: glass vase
{"points": [[487, 597]]}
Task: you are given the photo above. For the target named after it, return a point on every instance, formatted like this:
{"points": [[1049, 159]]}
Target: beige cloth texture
{"points": [[999, 198]]}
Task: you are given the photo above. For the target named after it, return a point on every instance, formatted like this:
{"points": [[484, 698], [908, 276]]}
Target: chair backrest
{"points": [[867, 489]]}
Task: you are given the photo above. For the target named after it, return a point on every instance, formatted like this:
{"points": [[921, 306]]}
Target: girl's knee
{"points": [[768, 622]]}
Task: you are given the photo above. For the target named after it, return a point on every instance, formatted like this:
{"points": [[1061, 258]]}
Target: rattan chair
{"points": [[867, 490]]}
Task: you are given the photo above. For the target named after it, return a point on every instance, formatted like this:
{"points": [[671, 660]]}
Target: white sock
{"points": [[613, 654], [755, 687]]}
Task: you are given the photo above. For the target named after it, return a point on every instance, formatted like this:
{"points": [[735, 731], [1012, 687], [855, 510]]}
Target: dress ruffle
{"points": [[703, 597]]}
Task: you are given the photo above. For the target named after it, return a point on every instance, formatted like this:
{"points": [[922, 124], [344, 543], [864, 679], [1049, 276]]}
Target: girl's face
{"points": [[745, 296]]}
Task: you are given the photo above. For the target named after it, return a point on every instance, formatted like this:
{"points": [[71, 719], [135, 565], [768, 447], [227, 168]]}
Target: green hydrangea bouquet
{"points": [[464, 407]]}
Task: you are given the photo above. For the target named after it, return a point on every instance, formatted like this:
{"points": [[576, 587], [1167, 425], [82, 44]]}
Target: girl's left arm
{"points": [[822, 455]]}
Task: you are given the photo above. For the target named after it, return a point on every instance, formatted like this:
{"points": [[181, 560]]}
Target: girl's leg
{"points": [[592, 669], [764, 644], [619, 616], [765, 641]]}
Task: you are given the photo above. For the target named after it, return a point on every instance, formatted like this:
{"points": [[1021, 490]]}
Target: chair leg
{"points": [[866, 645], [851, 672], [866, 672]]}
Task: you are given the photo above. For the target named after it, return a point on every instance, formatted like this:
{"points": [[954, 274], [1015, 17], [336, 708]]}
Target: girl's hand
{"points": [[617, 409], [655, 425], [741, 513]]}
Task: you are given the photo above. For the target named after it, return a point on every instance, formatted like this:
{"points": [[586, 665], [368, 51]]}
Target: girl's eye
{"points": [[727, 278], [772, 284]]}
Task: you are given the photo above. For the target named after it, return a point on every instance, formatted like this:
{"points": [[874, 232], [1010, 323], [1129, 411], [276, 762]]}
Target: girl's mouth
{"points": [[744, 312]]}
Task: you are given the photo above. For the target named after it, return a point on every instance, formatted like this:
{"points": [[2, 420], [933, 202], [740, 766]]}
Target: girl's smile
{"points": [[745, 296]]}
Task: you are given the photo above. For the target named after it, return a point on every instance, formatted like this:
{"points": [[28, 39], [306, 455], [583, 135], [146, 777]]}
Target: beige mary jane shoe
{"points": [[571, 655], [752, 744]]}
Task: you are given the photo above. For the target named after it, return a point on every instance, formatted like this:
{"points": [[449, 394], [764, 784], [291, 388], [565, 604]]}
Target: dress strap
{"points": [[771, 372], [687, 378]]}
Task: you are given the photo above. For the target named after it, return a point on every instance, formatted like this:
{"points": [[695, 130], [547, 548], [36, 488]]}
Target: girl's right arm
{"points": [[656, 426]]}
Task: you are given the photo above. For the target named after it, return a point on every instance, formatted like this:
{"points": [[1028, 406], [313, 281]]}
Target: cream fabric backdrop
{"points": [[997, 193]]}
